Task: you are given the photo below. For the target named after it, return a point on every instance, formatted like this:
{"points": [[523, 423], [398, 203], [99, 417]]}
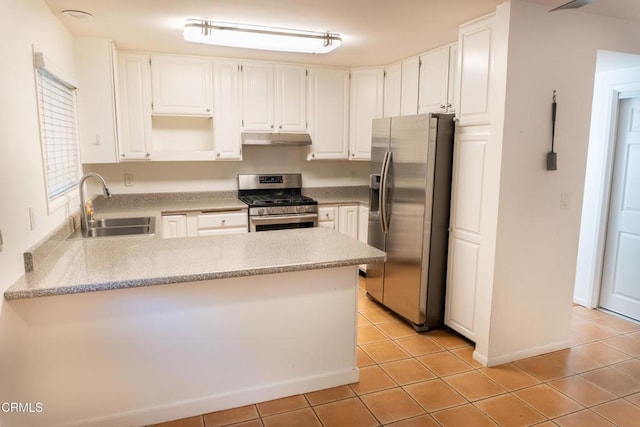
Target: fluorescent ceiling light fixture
{"points": [[258, 37]]}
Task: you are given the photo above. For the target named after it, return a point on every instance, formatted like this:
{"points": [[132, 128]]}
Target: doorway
{"points": [[616, 79], [620, 291]]}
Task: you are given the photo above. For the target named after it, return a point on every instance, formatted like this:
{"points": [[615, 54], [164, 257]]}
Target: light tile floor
{"points": [[430, 379]]}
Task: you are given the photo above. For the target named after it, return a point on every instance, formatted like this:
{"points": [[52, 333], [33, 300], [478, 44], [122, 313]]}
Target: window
{"points": [[59, 136]]}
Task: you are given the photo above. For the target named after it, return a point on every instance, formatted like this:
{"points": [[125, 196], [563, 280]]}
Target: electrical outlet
{"points": [[128, 180], [32, 218]]}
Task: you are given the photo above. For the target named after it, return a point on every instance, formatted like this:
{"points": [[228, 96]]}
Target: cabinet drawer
{"points": [[327, 213], [220, 220]]}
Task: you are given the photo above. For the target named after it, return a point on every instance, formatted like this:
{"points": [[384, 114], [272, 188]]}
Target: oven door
{"points": [[282, 222]]}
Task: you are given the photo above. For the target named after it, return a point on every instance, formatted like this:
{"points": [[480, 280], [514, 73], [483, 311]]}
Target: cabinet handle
{"points": [[353, 154], [122, 155], [208, 110], [280, 127], [313, 155], [272, 126], [223, 221], [449, 106], [442, 107], [148, 155], [218, 154]]}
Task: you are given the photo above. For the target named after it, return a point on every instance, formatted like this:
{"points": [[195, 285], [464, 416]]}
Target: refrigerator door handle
{"points": [[382, 202]]}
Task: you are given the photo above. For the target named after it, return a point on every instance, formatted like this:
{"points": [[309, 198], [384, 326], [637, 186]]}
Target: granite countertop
{"points": [[339, 195], [92, 265]]}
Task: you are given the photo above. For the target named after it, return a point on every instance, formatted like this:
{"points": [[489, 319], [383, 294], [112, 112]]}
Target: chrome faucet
{"points": [[84, 220]]}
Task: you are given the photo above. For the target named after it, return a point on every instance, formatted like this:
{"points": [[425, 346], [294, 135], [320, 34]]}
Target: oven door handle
{"points": [[283, 219]]}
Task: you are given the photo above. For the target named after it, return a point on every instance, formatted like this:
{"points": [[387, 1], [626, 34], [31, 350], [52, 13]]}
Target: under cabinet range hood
{"points": [[275, 138]]}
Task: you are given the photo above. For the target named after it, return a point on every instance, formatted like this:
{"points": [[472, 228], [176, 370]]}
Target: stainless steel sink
{"points": [[117, 227]]}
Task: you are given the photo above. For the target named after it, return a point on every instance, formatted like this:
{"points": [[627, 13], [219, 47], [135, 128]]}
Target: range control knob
{"points": [[260, 211], [285, 209], [269, 210], [301, 209]]}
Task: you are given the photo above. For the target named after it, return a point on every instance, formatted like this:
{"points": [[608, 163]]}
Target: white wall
{"points": [[23, 23], [221, 176], [537, 240]]}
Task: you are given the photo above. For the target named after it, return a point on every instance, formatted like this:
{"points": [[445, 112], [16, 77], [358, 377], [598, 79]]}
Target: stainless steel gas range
{"points": [[276, 202]]}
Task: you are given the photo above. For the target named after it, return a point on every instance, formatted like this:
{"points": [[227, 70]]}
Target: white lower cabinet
{"points": [[348, 220], [363, 228], [193, 224], [327, 216], [174, 226], [209, 224]]}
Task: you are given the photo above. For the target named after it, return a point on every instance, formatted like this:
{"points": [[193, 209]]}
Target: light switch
{"points": [[128, 179], [564, 200], [32, 218]]}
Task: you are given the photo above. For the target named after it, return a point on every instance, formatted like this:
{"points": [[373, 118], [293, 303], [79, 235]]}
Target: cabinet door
{"points": [[366, 104], [452, 96], [291, 98], [348, 220], [327, 216], [475, 44], [410, 79], [257, 96], [328, 101], [363, 227], [97, 133], [226, 111], [392, 90], [174, 226], [181, 85], [434, 78], [135, 106]]}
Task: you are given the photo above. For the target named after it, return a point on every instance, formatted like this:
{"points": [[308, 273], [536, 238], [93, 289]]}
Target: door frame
{"points": [[593, 230]]}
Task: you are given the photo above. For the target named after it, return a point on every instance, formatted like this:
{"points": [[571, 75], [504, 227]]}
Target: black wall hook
{"points": [[552, 156]]}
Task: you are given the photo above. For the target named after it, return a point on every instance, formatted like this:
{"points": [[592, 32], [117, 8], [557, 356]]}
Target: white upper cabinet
{"points": [[328, 113], [410, 79], [273, 97], [434, 95], [96, 62], [135, 106], [291, 98], [181, 85], [475, 43], [226, 110], [392, 90], [366, 104], [258, 96]]}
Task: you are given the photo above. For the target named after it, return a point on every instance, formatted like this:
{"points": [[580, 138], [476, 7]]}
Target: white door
{"points": [[621, 272]]}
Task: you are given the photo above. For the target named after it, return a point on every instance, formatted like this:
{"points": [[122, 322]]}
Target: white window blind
{"points": [[56, 101]]}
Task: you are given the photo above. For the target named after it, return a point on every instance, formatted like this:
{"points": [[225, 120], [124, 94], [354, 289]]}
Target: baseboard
{"points": [[221, 401], [523, 354]]}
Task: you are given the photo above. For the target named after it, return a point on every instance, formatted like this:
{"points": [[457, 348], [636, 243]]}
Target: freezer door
{"points": [[379, 148], [404, 287]]}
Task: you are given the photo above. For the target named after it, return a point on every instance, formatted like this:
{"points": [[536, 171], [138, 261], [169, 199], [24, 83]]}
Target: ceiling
{"points": [[374, 32]]}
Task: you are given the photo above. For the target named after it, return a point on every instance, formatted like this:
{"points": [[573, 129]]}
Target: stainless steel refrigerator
{"points": [[409, 202]]}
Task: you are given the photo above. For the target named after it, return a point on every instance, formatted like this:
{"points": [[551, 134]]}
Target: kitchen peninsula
{"points": [[142, 329]]}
